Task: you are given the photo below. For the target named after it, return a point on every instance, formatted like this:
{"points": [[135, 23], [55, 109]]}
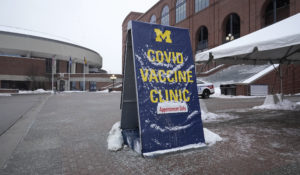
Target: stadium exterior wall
{"points": [[252, 16]]}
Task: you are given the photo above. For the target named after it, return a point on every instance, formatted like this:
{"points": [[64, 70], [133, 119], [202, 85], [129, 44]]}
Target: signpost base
{"points": [[131, 138]]}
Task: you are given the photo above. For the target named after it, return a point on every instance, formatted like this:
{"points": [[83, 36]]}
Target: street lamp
{"points": [[229, 37], [113, 78]]}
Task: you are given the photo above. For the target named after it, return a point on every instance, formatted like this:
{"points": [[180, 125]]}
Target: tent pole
{"points": [[281, 81]]}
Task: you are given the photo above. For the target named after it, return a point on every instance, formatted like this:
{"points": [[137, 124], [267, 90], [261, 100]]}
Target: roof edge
{"points": [[49, 39]]}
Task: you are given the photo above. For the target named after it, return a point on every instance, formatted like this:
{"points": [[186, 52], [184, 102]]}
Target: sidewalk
{"points": [[69, 136]]}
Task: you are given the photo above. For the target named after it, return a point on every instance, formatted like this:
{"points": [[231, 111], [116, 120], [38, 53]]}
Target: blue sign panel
{"points": [[167, 98]]}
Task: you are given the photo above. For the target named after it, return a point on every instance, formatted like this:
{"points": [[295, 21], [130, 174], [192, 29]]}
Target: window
{"points": [[202, 39], [153, 19], [81, 85], [93, 86], [200, 5], [277, 10], [73, 85], [68, 67], [180, 10], [57, 66], [165, 16], [48, 62], [232, 29]]}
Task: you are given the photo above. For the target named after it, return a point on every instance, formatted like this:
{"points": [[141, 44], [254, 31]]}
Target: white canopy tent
{"points": [[277, 43]]}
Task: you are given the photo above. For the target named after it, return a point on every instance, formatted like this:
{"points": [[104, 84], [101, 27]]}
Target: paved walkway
{"points": [[68, 136], [14, 107]]}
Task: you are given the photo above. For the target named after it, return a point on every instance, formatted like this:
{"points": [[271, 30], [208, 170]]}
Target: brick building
{"points": [[214, 22], [27, 62]]}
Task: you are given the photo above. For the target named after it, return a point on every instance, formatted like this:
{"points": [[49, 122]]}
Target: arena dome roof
{"points": [[33, 44]]}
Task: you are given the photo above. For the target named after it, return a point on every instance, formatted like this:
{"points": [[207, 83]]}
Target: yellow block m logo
{"points": [[163, 36]]}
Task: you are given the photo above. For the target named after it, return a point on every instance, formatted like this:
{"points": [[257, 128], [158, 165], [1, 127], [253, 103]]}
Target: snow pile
{"points": [[209, 116], [217, 92], [38, 91], [104, 91], [5, 94], [115, 139], [107, 91], [205, 115], [284, 105], [274, 102], [73, 92], [210, 137]]}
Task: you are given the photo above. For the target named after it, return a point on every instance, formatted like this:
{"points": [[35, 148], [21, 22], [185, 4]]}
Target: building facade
{"points": [[30, 62], [215, 22]]}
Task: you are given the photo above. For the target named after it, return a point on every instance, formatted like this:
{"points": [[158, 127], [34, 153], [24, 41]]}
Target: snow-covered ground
{"points": [[5, 94]]}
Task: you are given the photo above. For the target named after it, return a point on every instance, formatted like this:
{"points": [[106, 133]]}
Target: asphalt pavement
{"points": [[69, 131]]}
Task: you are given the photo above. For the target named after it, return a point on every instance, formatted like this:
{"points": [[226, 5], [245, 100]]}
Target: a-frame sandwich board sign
{"points": [[160, 105]]}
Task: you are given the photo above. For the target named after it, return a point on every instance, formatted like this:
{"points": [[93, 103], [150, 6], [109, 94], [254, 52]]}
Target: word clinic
{"points": [[169, 95]]}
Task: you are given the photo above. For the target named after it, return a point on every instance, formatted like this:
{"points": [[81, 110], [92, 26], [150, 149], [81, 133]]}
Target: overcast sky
{"points": [[95, 24]]}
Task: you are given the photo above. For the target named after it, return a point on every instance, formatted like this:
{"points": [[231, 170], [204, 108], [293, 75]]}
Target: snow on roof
{"points": [[260, 74], [19, 41], [235, 74], [269, 43], [23, 31]]}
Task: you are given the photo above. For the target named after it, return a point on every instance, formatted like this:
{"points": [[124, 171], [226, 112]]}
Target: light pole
{"points": [[229, 37], [113, 78]]}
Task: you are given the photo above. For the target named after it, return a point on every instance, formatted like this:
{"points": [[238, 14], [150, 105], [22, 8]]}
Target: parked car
{"points": [[205, 89]]}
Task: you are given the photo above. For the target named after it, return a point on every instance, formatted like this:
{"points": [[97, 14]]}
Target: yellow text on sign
{"points": [[164, 56], [160, 36], [169, 95], [170, 76]]}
